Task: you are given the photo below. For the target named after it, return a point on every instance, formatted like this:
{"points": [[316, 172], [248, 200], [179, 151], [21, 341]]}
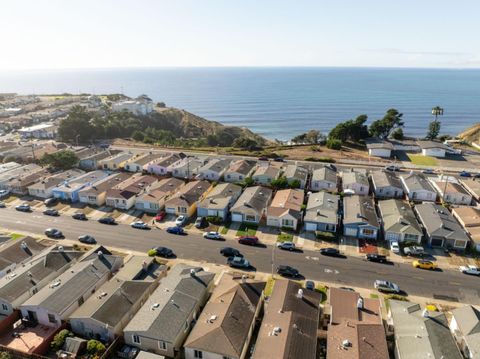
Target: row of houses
{"points": [[384, 147]]}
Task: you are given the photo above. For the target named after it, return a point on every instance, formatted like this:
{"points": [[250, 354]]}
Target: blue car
{"points": [[175, 230], [465, 174]]}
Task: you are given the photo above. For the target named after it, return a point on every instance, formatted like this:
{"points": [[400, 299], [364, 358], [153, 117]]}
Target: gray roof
{"points": [[105, 184], [419, 336], [322, 207], [221, 196], [352, 177], [243, 167], [398, 217], [357, 209], [19, 251], [374, 143], [296, 172], [167, 160], [164, 314], [468, 322], [386, 179], [417, 182], [216, 165], [324, 174], [439, 222], [432, 144], [256, 198], [53, 180]]}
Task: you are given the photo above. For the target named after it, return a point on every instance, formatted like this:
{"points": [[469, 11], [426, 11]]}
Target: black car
{"points": [[287, 271], [279, 159], [332, 167], [376, 258], [230, 252], [79, 216], [51, 212], [163, 252], [53, 233], [88, 239], [330, 252], [107, 220], [50, 202]]}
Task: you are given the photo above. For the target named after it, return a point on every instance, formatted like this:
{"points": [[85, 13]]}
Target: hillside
{"points": [[471, 134]]}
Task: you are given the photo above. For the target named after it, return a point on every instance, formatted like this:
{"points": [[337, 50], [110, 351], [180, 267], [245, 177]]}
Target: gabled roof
{"points": [[216, 165], [117, 158], [220, 196], [439, 222], [143, 158], [322, 207], [269, 171], [162, 189], [287, 201], [432, 144], [167, 160], [324, 174], [105, 184], [417, 182], [255, 198], [131, 187], [451, 188], [243, 167], [19, 251], [352, 177], [226, 319], [398, 217], [386, 179], [296, 172], [80, 181], [358, 209], [50, 181], [189, 194]]}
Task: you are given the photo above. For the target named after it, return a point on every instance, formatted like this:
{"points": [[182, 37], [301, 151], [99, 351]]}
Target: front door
{"points": [[32, 316]]}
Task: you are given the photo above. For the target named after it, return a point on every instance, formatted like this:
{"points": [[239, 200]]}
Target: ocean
{"points": [[280, 103]]}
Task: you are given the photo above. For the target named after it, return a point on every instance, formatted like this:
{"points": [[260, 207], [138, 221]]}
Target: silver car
{"points": [[386, 286]]}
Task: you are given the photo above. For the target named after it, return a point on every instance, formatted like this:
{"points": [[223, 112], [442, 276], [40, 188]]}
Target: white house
{"points": [[324, 179], [432, 148], [418, 188], [142, 105], [386, 185], [238, 171], [187, 167], [214, 169], [286, 209], [41, 131], [379, 148], [160, 166], [356, 181], [452, 192]]}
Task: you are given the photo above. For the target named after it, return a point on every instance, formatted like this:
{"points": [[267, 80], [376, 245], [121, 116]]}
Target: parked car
{"points": [[428, 171], [139, 225], [53, 233], [470, 269], [163, 252], [238, 262], [394, 247], [230, 252], [310, 285], [333, 252], [24, 207], [424, 264], [88, 239], [288, 246], [51, 212], [104, 145], [201, 222], [50, 202], [279, 159], [3, 205], [107, 220], [160, 216], [180, 221], [248, 240], [465, 174], [175, 230], [213, 235], [376, 258], [263, 159], [414, 251], [4, 192], [79, 216], [331, 166], [287, 271], [392, 168], [386, 286]]}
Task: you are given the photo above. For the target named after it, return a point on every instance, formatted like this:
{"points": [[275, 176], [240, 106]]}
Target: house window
{"points": [[330, 227], [368, 232], [410, 237], [5, 307], [198, 354], [182, 210], [51, 318], [250, 218], [162, 345], [228, 176], [239, 177], [380, 190], [136, 339], [287, 222]]}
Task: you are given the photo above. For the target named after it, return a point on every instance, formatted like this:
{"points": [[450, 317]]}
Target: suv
{"points": [[51, 212], [53, 233], [213, 235], [230, 252], [79, 216], [180, 221], [288, 246], [23, 207], [50, 201], [392, 168], [386, 286], [250, 241], [287, 271], [414, 251], [238, 262]]}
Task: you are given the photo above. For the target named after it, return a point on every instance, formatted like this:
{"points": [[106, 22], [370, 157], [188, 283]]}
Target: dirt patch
{"points": [[366, 247]]}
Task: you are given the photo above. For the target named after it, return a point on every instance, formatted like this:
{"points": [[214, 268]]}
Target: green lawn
{"points": [[16, 235], [374, 295], [323, 290], [247, 230], [285, 237], [224, 230], [269, 286], [422, 160]]}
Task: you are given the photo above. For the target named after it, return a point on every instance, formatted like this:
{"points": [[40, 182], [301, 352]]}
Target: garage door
{"points": [[236, 217], [392, 236], [170, 210], [351, 232], [311, 226], [437, 242]]}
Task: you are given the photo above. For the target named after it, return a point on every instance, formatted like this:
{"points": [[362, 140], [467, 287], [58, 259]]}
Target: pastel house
{"points": [[218, 201], [69, 190]]}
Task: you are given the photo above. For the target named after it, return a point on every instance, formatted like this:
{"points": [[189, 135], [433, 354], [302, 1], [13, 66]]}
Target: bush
{"points": [[334, 144], [152, 252], [5, 355], [320, 159], [59, 339], [397, 297], [214, 219], [325, 236], [95, 347]]}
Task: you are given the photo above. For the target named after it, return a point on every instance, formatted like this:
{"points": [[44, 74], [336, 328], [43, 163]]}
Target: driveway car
{"points": [[248, 240], [213, 235], [394, 247], [53, 233], [201, 222], [24, 207], [107, 220], [4, 192], [392, 168], [279, 159], [332, 167], [3, 205], [51, 212], [175, 230], [180, 221], [50, 202], [287, 246], [88, 239], [287, 271], [414, 251], [333, 252], [310, 285], [139, 225], [163, 252], [424, 264], [470, 269], [386, 286], [79, 216], [376, 258], [230, 252], [428, 171], [238, 262], [160, 216]]}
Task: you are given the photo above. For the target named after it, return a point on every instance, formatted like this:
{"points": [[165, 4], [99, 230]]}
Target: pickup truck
{"points": [[414, 251]]}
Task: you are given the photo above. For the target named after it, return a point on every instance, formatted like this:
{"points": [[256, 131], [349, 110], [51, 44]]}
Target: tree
{"points": [[138, 136], [433, 130], [94, 347], [59, 339], [382, 128], [397, 134], [244, 142], [64, 159], [295, 184], [334, 144], [351, 130], [248, 181], [76, 127]]}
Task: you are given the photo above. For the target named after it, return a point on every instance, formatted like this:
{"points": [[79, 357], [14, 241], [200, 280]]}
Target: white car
{"points": [[288, 246], [212, 235], [470, 269], [386, 286], [139, 225], [394, 247], [4, 192], [180, 221]]}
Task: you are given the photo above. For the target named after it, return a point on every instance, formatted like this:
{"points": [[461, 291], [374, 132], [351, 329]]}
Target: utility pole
{"points": [[437, 111]]}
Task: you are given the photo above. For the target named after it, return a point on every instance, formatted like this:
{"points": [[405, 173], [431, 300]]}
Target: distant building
{"points": [[379, 148], [433, 149], [41, 131], [142, 105]]}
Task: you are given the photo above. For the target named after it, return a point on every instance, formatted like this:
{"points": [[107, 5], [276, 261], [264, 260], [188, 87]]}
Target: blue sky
{"points": [[148, 33]]}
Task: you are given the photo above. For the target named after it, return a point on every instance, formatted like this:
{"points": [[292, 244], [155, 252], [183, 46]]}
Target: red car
{"points": [[250, 240], [160, 216]]}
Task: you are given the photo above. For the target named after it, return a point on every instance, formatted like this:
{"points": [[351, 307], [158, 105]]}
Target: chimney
{"points": [[244, 278], [360, 303], [100, 254], [425, 313], [300, 294], [192, 272]]}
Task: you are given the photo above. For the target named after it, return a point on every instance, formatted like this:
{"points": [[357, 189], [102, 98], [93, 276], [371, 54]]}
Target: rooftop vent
{"points": [[192, 272], [360, 303], [300, 294], [212, 318], [346, 344], [55, 284], [425, 313], [154, 306]]}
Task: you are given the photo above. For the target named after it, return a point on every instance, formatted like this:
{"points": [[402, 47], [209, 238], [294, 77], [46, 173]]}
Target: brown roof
{"points": [[189, 194], [287, 200], [469, 218], [131, 187], [451, 187], [105, 184], [296, 320], [163, 188], [241, 166]]}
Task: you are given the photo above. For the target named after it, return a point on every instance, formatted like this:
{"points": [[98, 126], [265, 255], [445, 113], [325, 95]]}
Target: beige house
{"points": [[286, 209], [136, 163], [184, 202], [124, 194], [264, 175], [324, 179], [96, 195], [469, 218], [115, 162], [296, 173], [239, 170], [453, 192], [155, 199], [252, 205]]}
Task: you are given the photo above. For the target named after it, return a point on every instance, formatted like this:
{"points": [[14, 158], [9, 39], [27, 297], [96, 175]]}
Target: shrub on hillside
{"points": [[334, 144]]}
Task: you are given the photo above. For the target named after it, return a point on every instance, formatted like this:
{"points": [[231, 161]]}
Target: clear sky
{"points": [[138, 33]]}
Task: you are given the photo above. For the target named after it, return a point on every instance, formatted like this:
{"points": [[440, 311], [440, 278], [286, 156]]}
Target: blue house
{"points": [[359, 217], [68, 190]]}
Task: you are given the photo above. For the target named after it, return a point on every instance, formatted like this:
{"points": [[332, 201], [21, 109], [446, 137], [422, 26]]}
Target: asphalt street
{"points": [[349, 271]]}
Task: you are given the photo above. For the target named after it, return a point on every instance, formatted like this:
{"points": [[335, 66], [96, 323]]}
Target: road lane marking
{"points": [[454, 283]]}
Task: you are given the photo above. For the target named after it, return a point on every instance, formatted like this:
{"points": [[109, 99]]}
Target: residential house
{"points": [[69, 190], [452, 192], [465, 327], [418, 188], [136, 163], [184, 202], [469, 218], [322, 212], [140, 106], [154, 200], [18, 172], [296, 173], [5, 167], [26, 280], [92, 162], [218, 201], [238, 171], [386, 185], [266, 174], [96, 195], [290, 323], [420, 333], [14, 253], [441, 228], [407, 145], [355, 181], [399, 222], [115, 162], [44, 186], [187, 168], [324, 178], [252, 205], [41, 131], [19, 185], [162, 324], [355, 330], [123, 195], [432, 148], [379, 148], [54, 303], [286, 209], [161, 165], [214, 169], [359, 217], [472, 185], [225, 327]]}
